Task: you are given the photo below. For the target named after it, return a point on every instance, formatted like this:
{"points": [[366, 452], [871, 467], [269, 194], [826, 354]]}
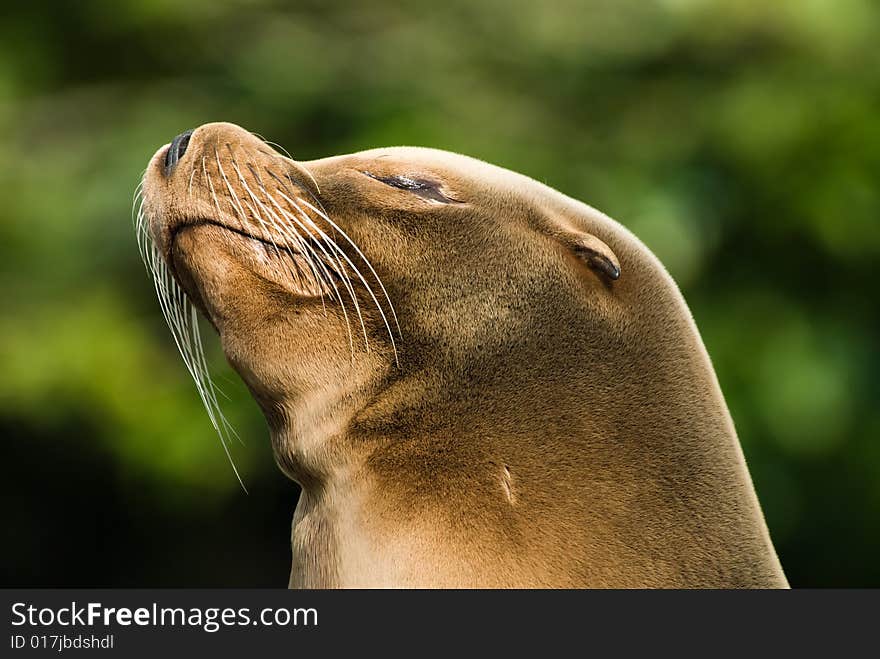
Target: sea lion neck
{"points": [[311, 430]]}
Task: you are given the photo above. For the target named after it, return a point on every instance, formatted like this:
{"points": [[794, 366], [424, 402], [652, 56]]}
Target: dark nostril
{"points": [[176, 150]]}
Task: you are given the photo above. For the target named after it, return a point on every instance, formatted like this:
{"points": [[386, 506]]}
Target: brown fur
{"points": [[547, 425]]}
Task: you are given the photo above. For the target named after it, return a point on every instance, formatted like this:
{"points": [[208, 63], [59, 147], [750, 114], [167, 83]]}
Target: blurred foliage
{"points": [[739, 139]]}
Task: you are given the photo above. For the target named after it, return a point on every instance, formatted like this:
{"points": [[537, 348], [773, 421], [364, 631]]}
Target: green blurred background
{"points": [[739, 140]]}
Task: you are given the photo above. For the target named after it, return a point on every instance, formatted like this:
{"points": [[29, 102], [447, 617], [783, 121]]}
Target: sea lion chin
{"points": [[476, 380]]}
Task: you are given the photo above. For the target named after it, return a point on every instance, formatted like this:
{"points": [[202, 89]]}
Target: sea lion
{"points": [[477, 380]]}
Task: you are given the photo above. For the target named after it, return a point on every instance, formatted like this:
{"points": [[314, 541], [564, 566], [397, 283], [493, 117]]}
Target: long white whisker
{"points": [[321, 278], [352, 266], [362, 255], [256, 213], [340, 268], [346, 280], [233, 198], [286, 153], [210, 186], [322, 213], [189, 188], [182, 319]]}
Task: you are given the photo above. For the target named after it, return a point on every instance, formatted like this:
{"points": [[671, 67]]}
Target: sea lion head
{"points": [[352, 272], [490, 375]]}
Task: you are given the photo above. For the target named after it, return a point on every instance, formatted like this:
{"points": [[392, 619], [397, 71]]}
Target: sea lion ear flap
{"points": [[593, 252]]}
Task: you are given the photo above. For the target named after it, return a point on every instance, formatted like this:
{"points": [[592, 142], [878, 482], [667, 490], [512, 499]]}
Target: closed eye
{"points": [[422, 187]]}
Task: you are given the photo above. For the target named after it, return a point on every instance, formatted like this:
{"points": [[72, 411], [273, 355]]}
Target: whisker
{"points": [[211, 186], [256, 213], [322, 212], [290, 233], [363, 256], [233, 198], [304, 244], [182, 319], [340, 268], [345, 280], [289, 157], [352, 266], [189, 187]]}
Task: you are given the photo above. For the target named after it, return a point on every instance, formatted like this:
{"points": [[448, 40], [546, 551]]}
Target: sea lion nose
{"points": [[176, 150]]}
